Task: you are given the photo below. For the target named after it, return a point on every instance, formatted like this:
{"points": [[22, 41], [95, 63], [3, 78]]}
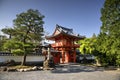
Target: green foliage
{"points": [[12, 45], [3, 39], [8, 31], [108, 41], [27, 31], [17, 52], [8, 45], [29, 47], [118, 60], [87, 46], [29, 26], [17, 47]]}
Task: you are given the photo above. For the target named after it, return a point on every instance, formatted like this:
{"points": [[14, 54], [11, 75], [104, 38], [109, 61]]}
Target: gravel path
{"points": [[63, 73]]}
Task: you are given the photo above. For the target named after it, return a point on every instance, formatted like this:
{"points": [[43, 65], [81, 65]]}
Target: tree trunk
{"points": [[24, 59], [24, 56]]}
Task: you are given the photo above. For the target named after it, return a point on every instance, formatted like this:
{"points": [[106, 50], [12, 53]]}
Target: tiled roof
{"points": [[65, 30]]}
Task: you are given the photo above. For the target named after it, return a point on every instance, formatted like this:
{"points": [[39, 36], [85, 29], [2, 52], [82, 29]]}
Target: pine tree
{"points": [[27, 31]]}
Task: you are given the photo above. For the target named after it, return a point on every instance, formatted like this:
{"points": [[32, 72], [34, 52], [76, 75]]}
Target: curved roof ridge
{"points": [[64, 29]]}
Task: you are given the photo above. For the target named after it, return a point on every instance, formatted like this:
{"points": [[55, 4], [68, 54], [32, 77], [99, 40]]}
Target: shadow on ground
{"points": [[75, 68]]}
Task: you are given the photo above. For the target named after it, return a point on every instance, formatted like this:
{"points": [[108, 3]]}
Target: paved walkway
{"points": [[64, 72]]}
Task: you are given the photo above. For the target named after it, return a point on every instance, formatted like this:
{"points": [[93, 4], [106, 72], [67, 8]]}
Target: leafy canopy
{"points": [[29, 26], [108, 41], [88, 45], [26, 33]]}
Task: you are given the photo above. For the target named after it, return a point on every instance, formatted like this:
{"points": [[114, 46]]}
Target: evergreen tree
{"points": [[3, 39], [27, 32], [108, 41], [29, 27], [8, 31]]}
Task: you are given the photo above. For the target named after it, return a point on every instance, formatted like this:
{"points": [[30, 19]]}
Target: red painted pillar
{"points": [[67, 56], [63, 57], [74, 56]]}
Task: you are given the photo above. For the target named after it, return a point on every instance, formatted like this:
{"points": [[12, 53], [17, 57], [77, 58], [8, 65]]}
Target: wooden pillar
{"points": [[74, 56], [63, 56], [67, 56], [58, 58]]}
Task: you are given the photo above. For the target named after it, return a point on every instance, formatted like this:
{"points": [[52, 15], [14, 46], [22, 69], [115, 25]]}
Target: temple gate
{"points": [[65, 44]]}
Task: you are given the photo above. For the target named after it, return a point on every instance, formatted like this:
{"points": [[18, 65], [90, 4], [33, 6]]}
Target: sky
{"points": [[83, 16]]}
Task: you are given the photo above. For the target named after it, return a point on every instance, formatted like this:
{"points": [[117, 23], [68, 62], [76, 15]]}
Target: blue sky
{"points": [[83, 16]]}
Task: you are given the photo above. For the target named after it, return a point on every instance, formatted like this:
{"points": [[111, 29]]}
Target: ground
{"points": [[66, 72]]}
